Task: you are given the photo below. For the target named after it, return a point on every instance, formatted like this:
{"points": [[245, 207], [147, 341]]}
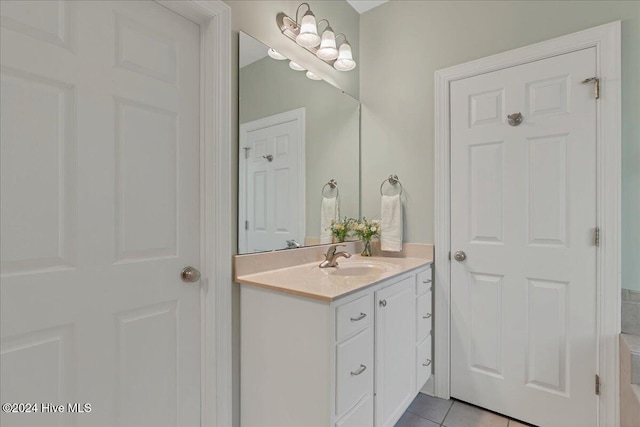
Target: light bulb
{"points": [[308, 36], [275, 54], [328, 49], [312, 76], [295, 66], [345, 60]]}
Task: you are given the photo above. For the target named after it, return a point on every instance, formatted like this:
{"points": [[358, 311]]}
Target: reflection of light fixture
{"points": [[308, 36], [296, 66], [305, 34], [275, 54], [312, 76], [345, 60]]}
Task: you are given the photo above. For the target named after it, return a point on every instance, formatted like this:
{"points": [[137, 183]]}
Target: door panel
{"points": [[486, 166], [547, 346], [524, 212], [40, 235], [486, 320], [100, 212]]}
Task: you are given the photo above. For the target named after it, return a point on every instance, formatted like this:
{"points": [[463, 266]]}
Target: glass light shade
{"points": [[296, 66], [328, 49], [275, 54], [312, 76], [308, 36], [345, 60]]}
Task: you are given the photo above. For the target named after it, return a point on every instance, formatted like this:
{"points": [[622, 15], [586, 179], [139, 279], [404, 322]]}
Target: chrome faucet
{"points": [[331, 257], [292, 244]]}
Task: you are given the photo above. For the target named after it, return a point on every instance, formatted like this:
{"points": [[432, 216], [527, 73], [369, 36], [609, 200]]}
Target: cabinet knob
{"points": [[427, 281], [383, 303], [358, 371], [427, 363], [427, 316]]}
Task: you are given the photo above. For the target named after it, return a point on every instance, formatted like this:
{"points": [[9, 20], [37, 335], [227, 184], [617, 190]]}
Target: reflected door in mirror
{"points": [[272, 165]]}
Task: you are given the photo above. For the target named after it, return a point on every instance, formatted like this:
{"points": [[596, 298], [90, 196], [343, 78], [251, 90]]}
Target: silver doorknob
{"points": [[460, 256], [190, 274]]}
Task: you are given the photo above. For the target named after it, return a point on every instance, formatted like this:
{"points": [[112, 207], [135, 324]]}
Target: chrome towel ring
{"points": [[393, 180], [334, 186]]}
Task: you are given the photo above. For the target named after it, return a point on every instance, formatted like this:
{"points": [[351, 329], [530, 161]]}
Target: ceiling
{"points": [[361, 6]]}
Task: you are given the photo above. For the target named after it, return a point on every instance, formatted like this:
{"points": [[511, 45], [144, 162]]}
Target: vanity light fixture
{"points": [[312, 76], [308, 35], [327, 50], [305, 34], [275, 54], [345, 60], [296, 66]]}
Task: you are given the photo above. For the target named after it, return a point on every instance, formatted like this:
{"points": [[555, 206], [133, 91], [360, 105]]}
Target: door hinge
{"points": [[246, 152], [597, 385], [246, 225], [596, 85], [596, 238]]}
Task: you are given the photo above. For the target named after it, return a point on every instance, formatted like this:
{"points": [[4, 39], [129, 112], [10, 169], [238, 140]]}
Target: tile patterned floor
{"points": [[427, 411]]}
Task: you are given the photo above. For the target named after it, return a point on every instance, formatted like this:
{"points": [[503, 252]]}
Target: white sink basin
{"points": [[354, 273], [358, 269]]}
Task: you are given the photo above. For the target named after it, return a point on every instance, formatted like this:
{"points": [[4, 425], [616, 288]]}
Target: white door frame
{"points": [[606, 40], [215, 204], [297, 115]]}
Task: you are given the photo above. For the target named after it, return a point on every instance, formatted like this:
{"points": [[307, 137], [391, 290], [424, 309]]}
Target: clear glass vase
{"points": [[367, 247]]}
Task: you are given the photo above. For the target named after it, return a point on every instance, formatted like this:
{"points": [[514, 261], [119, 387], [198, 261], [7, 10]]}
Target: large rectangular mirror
{"points": [[299, 153]]}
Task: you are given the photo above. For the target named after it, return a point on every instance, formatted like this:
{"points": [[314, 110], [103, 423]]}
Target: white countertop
{"points": [[324, 284]]}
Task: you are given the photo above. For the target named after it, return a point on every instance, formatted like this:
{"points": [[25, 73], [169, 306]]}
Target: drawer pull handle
{"points": [[427, 281], [427, 316], [425, 364], [383, 303], [360, 370], [362, 316]]}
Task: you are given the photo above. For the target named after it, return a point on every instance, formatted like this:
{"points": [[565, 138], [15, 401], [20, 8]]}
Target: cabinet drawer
{"points": [[423, 281], [354, 370], [423, 357], [353, 316], [360, 416], [425, 319]]}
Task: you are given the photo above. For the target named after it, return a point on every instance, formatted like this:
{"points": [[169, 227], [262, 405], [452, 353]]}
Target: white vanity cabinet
{"points": [[307, 362], [395, 350], [424, 322]]}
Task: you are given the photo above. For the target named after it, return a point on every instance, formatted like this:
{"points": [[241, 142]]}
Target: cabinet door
{"points": [[423, 315], [423, 363], [395, 350]]}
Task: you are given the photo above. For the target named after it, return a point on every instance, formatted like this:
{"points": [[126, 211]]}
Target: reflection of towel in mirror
{"points": [[391, 224], [330, 210]]}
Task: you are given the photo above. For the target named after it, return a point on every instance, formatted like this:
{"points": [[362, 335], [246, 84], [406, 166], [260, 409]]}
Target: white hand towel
{"points": [[330, 210], [391, 224]]}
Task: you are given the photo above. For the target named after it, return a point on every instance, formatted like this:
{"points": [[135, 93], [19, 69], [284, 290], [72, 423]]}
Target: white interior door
{"points": [[523, 210], [272, 182], [100, 212]]}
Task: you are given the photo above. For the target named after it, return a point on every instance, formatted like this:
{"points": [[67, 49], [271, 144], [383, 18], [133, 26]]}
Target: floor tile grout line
{"points": [[447, 414], [423, 417]]}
